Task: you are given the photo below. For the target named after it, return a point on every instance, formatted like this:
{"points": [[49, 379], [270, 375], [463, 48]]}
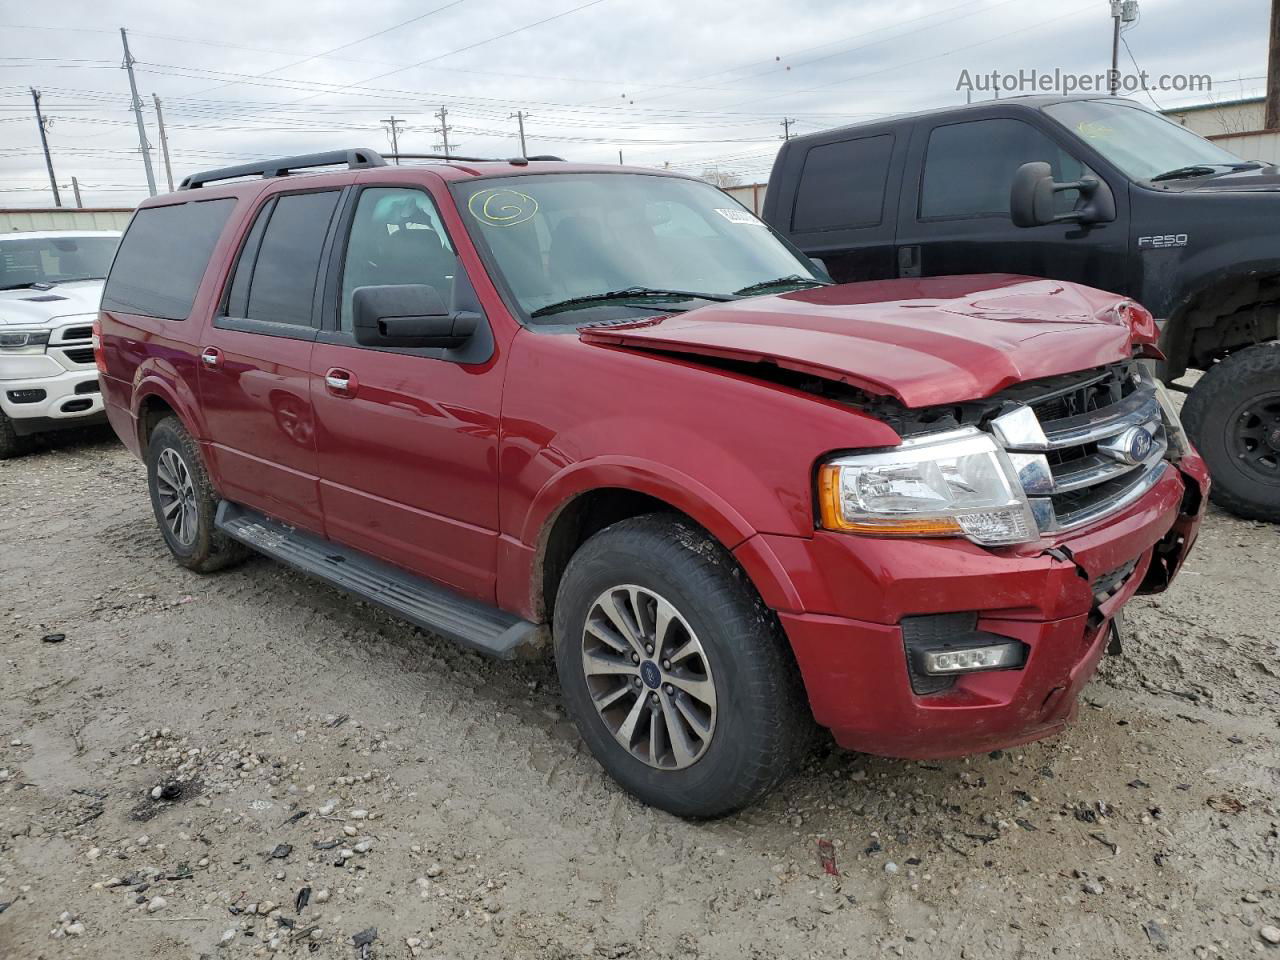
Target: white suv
{"points": [[50, 285]]}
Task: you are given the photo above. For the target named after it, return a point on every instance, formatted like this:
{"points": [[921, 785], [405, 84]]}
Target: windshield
{"points": [[1141, 143], [621, 243], [28, 260]]}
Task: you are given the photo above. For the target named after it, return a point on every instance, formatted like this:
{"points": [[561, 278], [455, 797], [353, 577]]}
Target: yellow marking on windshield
{"points": [[502, 207]]}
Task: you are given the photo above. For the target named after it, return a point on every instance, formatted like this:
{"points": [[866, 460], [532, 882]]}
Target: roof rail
{"points": [[454, 156], [357, 159]]}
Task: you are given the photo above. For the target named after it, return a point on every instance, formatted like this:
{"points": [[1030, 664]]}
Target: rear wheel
{"points": [[1233, 417], [674, 671], [11, 445], [185, 502]]}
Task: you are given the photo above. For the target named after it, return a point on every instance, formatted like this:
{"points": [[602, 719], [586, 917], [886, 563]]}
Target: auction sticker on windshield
{"points": [[739, 216]]}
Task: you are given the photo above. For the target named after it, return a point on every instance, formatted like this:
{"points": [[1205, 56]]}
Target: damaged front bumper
{"points": [[863, 600]]}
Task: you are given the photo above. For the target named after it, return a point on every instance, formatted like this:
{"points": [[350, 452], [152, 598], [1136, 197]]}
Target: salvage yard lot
{"points": [[443, 803]]}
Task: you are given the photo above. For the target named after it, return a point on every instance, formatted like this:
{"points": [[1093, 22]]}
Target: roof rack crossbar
{"points": [[356, 159]]}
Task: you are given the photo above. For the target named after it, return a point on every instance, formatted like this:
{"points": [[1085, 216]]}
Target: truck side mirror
{"points": [[1031, 198], [409, 315]]}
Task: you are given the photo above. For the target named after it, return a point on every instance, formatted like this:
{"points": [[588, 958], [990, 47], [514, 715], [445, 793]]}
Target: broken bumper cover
{"points": [[1058, 597]]}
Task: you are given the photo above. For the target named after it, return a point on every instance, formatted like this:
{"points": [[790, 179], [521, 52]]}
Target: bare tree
{"points": [[721, 178]]}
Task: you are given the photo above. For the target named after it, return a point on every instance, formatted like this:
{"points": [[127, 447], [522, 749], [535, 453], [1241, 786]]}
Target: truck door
{"points": [[954, 210], [254, 362], [407, 438]]}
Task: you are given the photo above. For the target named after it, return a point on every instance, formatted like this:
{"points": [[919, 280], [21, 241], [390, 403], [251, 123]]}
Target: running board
{"points": [[425, 604]]}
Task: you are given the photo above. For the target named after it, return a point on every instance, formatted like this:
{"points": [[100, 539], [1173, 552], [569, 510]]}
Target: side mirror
{"points": [[1031, 198], [409, 315]]}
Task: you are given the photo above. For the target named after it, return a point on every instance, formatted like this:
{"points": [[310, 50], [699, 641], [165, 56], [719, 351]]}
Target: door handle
{"points": [[340, 383], [211, 357]]}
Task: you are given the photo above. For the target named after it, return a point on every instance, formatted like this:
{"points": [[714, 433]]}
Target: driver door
{"points": [[407, 439]]}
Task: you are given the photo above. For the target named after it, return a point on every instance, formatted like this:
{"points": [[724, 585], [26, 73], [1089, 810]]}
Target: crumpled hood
{"points": [[27, 307], [928, 341]]}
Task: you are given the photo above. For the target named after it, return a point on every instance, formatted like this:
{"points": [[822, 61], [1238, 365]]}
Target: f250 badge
{"points": [[1162, 241]]}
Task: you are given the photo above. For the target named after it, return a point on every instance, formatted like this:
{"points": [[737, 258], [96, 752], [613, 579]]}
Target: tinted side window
{"points": [[163, 257], [842, 184], [283, 282], [396, 237], [969, 167]]}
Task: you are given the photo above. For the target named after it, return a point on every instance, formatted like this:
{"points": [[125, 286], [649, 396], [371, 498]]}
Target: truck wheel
{"points": [[1233, 417], [675, 672], [185, 502], [11, 445]]}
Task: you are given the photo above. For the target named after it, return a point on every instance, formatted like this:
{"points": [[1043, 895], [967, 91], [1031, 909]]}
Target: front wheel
{"points": [[11, 445], [185, 502], [1233, 417], [675, 673]]}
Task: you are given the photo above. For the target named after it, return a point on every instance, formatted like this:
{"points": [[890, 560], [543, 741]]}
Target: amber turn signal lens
{"points": [[833, 517]]}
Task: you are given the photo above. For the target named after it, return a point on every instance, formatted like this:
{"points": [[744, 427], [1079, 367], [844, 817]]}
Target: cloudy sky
{"points": [[690, 83]]}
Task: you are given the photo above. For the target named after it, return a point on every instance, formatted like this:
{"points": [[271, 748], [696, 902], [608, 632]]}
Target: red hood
{"points": [[938, 340]]}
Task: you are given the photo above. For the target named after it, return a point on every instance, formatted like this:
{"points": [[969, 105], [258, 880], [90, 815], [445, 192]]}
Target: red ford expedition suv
{"points": [[513, 399]]}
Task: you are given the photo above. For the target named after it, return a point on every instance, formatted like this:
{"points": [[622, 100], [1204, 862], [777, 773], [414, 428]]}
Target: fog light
{"points": [[968, 659]]}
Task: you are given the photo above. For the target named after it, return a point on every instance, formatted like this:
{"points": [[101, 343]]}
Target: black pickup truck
{"points": [[1099, 191]]}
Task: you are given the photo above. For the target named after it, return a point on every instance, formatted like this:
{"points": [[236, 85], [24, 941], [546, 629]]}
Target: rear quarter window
{"points": [[163, 256]]}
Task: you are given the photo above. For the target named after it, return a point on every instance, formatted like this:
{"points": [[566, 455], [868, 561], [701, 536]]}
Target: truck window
{"points": [[163, 257], [278, 284], [969, 168], [396, 237], [842, 184]]}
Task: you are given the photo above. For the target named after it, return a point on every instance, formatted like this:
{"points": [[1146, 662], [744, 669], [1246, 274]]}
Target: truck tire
{"points": [[185, 502], [722, 718], [1233, 417], [11, 445]]}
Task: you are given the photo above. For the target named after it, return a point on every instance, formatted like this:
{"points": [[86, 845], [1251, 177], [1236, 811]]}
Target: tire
{"points": [[759, 725], [11, 445], [176, 475], [1233, 417]]}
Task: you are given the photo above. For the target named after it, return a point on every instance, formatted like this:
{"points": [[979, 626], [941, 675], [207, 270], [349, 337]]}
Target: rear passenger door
{"points": [[954, 212], [407, 438], [255, 361], [846, 196]]}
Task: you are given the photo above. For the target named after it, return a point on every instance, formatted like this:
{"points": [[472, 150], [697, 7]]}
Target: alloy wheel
{"points": [[649, 677], [177, 495]]}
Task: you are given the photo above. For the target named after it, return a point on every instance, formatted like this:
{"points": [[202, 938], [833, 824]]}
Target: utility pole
{"points": [[1122, 12], [620, 158], [164, 143], [444, 128], [786, 127], [44, 142], [75, 188], [1272, 113], [137, 112], [520, 118], [394, 126]]}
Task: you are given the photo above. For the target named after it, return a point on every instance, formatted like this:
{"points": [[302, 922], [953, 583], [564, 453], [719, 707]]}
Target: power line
{"points": [[444, 128]]}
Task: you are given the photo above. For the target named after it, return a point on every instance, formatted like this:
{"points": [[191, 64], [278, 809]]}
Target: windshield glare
{"points": [[54, 259], [555, 237], [1141, 143]]}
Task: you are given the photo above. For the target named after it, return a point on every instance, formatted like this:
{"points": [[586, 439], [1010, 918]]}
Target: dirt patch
{"points": [[351, 786]]}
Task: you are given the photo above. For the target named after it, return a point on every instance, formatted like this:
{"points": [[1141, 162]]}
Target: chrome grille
{"points": [[1087, 448]]}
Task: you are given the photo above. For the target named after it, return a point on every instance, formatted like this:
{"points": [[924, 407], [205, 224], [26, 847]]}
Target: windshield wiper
{"points": [[790, 281], [1202, 170], [630, 293]]}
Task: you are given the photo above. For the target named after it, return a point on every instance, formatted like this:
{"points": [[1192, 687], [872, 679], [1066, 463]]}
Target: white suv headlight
{"points": [[23, 341], [953, 484]]}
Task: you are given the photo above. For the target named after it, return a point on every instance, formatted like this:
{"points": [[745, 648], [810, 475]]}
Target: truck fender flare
{"points": [[156, 378]]}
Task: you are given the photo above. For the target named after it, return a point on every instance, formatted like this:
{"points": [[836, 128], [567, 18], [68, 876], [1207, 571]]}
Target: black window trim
{"points": [[1048, 134], [273, 328], [479, 349]]}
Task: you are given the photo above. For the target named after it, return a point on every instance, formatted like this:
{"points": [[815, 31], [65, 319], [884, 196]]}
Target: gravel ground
{"points": [[248, 763]]}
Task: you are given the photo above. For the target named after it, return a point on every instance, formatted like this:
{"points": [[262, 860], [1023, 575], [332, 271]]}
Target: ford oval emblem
{"points": [[1140, 444]]}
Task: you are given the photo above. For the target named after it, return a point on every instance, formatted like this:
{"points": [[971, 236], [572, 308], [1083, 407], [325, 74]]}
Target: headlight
{"points": [[954, 484], [1179, 446], [23, 341]]}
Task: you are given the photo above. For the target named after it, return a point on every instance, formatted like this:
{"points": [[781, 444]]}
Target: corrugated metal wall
{"points": [[64, 218], [1261, 145], [750, 195]]}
